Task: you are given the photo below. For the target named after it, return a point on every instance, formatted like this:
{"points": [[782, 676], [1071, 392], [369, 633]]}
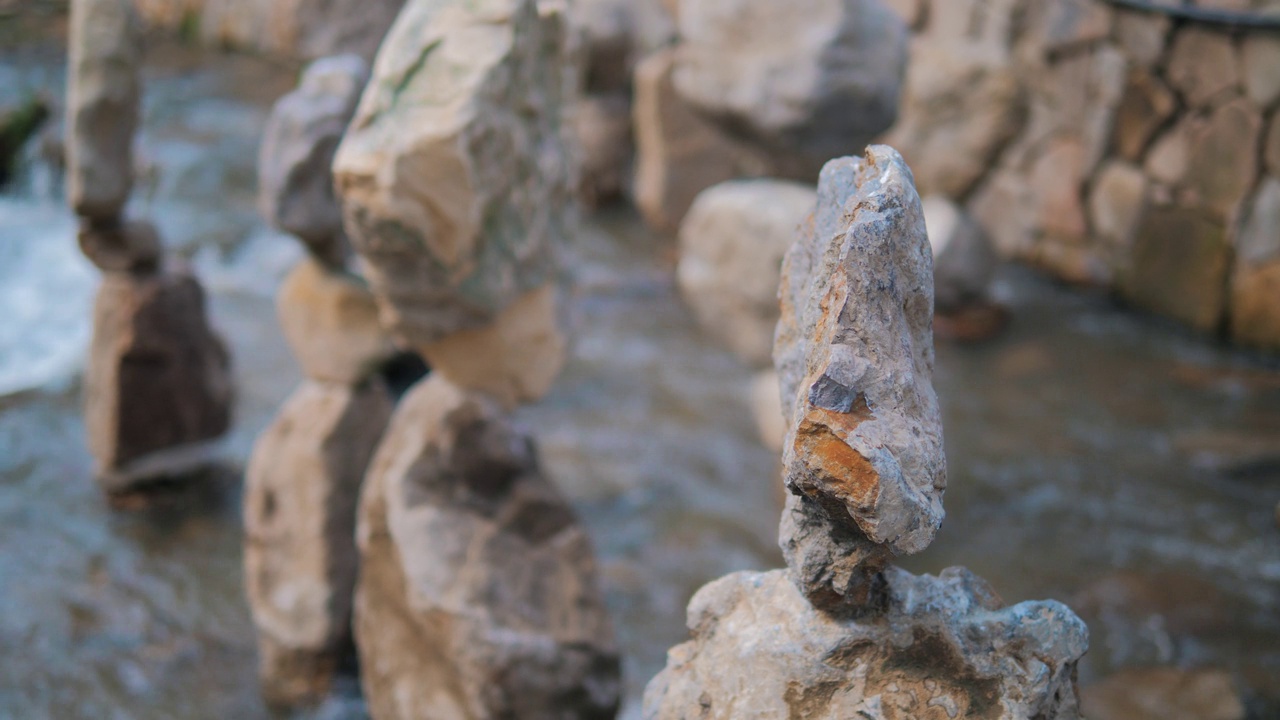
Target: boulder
{"points": [[964, 263], [814, 78], [731, 247], [514, 360], [295, 182], [864, 457], [158, 379], [478, 594], [103, 95], [944, 647], [301, 490], [602, 124], [330, 321], [454, 176]]}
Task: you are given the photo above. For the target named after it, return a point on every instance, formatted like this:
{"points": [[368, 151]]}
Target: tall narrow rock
{"points": [[301, 491], [477, 595], [455, 177]]}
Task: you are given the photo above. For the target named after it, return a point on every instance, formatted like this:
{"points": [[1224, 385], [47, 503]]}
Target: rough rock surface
{"points": [[477, 595], [301, 491], [945, 647], [158, 378], [863, 457], [330, 321], [103, 93], [455, 178], [731, 247], [295, 182], [816, 78], [964, 262]]}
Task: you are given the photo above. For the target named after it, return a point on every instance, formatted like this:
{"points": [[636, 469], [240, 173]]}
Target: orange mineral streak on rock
{"points": [[840, 471]]}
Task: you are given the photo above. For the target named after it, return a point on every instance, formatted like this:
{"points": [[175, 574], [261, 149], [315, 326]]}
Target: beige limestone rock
{"points": [[766, 409], [158, 381], [120, 246], [1005, 208], [813, 79], [1057, 26], [1142, 37], [295, 181], [1259, 238], [1179, 264], [301, 491], [964, 262], [944, 647], [602, 124], [1223, 161], [1145, 107], [1163, 693], [1116, 202], [1058, 177], [854, 350], [514, 360], [731, 247], [103, 95], [1202, 65], [478, 594], [678, 153], [1260, 57], [455, 175], [330, 321], [1170, 156]]}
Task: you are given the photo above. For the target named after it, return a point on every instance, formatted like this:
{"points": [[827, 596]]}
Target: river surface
{"points": [[1096, 456]]}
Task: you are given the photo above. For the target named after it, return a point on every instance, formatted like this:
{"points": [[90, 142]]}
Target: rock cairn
{"points": [[158, 385], [841, 633], [478, 594], [1109, 146], [304, 477]]}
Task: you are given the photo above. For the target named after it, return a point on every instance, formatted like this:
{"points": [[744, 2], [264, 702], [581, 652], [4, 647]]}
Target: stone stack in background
{"points": [[755, 88], [157, 384], [478, 594], [304, 477], [1109, 146], [840, 633]]}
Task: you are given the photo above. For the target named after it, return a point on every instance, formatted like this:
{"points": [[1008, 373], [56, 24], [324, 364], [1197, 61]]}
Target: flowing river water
{"points": [[1099, 457]]}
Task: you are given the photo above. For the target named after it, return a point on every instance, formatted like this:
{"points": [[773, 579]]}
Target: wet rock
{"points": [[678, 152], [1116, 202], [514, 360], [1260, 56], [766, 408], [731, 247], [815, 79], [295, 182], [330, 321], [301, 490], [477, 594], [1163, 694], [945, 647], [103, 93], [1202, 65], [854, 351], [1178, 267], [454, 176], [1145, 107], [157, 383], [120, 246], [603, 127], [964, 262]]}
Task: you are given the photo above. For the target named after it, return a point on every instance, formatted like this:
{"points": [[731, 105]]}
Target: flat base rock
{"points": [[942, 648], [158, 381], [301, 491], [478, 595]]}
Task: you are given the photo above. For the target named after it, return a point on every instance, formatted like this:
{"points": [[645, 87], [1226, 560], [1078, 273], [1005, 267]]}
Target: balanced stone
{"points": [[455, 178], [945, 647], [864, 457], [478, 595], [295, 182], [121, 246], [301, 491], [814, 78], [158, 382], [103, 91], [731, 247], [330, 321]]}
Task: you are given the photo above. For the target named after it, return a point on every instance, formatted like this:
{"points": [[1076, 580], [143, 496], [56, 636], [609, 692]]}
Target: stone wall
{"points": [[1110, 146]]}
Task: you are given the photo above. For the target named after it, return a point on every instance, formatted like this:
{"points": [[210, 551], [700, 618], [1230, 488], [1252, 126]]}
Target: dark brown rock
{"points": [[1179, 265]]}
